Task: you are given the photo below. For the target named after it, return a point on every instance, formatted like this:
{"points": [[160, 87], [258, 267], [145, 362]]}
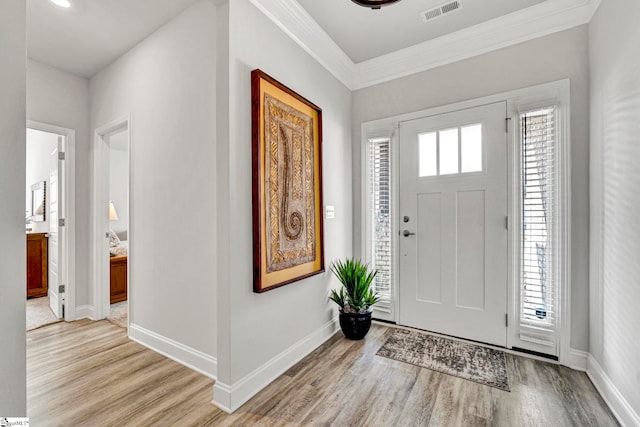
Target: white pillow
{"points": [[114, 240]]}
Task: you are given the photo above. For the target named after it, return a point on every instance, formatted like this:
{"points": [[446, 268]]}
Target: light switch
{"points": [[329, 212]]}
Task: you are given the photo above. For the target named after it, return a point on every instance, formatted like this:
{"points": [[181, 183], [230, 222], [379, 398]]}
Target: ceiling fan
{"points": [[374, 4]]}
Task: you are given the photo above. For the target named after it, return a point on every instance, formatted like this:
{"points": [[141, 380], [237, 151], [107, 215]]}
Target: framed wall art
{"points": [[287, 185]]}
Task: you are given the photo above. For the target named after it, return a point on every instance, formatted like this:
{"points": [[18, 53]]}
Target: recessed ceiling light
{"points": [[62, 3]]}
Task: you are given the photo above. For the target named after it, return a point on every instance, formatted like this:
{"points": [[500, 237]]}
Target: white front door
{"points": [[56, 239], [453, 223]]}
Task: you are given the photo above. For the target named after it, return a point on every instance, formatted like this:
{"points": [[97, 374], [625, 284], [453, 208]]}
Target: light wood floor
{"points": [[90, 374]]}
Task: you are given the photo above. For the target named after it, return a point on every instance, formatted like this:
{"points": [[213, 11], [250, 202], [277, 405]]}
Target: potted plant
{"points": [[355, 297]]}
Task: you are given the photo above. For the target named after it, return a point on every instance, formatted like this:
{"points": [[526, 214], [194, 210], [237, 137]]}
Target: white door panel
{"points": [[453, 270], [56, 239]]}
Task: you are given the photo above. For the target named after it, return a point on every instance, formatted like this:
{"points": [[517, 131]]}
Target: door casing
{"points": [[68, 232], [559, 89], [100, 216]]}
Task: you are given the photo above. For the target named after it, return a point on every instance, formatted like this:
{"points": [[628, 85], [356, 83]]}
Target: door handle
{"points": [[407, 233]]}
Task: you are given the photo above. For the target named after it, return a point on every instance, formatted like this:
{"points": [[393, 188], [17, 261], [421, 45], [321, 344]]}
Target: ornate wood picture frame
{"points": [[288, 224]]}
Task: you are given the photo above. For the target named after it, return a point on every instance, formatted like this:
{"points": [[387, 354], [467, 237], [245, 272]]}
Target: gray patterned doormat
{"points": [[460, 359]]}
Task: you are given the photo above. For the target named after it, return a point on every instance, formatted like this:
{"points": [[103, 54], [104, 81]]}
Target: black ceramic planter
{"points": [[354, 325]]}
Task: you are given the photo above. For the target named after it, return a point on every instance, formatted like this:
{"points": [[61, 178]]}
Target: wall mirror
{"points": [[38, 201]]}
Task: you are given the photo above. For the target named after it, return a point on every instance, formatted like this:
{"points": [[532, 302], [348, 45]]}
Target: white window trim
{"points": [[556, 93], [557, 90]]}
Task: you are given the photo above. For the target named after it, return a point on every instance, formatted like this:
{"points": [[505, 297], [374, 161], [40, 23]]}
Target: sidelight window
{"points": [[540, 221], [538, 216], [379, 224]]}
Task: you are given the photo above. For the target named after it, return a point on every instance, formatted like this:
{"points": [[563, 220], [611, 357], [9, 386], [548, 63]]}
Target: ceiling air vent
{"points": [[437, 12]]}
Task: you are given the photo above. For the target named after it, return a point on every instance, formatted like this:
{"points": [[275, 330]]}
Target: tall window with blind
{"points": [[379, 224], [538, 222]]}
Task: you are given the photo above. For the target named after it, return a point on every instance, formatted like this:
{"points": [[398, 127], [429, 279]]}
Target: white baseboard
{"points": [[222, 397], [610, 393], [577, 360], [231, 397], [85, 311], [190, 357]]}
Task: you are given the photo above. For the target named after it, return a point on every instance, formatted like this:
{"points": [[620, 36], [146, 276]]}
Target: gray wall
{"points": [[59, 98], [261, 326], [554, 57], [614, 37], [13, 377], [167, 84]]}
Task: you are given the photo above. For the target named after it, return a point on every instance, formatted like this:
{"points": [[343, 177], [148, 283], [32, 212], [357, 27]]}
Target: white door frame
{"points": [[567, 355], [100, 214], [69, 206]]}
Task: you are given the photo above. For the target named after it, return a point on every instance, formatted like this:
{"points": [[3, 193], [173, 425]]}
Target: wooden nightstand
{"points": [[37, 265], [118, 278]]}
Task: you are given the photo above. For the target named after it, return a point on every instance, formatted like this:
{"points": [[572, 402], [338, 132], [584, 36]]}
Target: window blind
{"points": [[539, 206], [380, 211]]}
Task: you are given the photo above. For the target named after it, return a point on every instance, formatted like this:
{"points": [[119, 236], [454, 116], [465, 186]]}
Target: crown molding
{"points": [[545, 18], [540, 20], [294, 20]]}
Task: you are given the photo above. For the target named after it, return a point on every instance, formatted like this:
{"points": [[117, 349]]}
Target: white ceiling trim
{"points": [[539, 20], [294, 20]]}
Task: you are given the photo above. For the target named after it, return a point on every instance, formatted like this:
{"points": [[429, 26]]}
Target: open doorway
{"points": [[118, 226], [111, 222], [49, 196]]}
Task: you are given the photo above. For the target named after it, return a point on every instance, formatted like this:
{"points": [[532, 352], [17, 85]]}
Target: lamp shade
{"points": [[113, 215]]}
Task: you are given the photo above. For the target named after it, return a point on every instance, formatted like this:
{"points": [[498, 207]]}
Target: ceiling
{"points": [[93, 33], [358, 45], [364, 33]]}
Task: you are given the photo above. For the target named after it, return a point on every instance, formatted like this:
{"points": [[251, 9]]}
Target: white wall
{"points": [[262, 327], [13, 395], [614, 37], [167, 84], [554, 57], [119, 181], [40, 145], [59, 98]]}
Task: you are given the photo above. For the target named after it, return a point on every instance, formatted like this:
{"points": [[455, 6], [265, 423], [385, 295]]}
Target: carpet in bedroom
{"points": [[118, 314], [39, 313]]}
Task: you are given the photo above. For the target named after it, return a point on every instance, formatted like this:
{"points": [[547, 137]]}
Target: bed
{"points": [[117, 246]]}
